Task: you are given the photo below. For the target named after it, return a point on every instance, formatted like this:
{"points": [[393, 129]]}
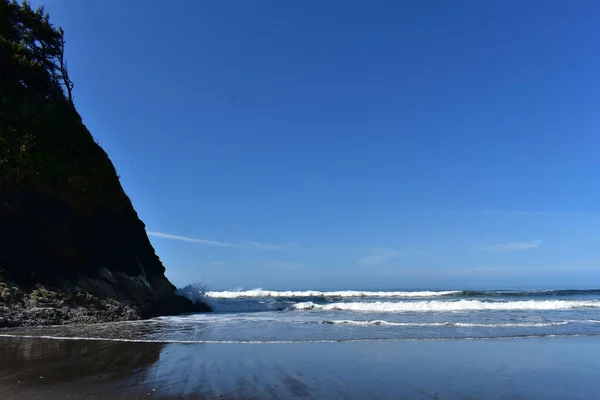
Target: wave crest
{"points": [[316, 293], [445, 306]]}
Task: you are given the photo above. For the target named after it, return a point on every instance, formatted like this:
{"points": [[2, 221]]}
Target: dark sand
{"points": [[548, 368]]}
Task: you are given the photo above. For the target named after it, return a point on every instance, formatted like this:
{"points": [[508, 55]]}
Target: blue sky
{"points": [[348, 144]]}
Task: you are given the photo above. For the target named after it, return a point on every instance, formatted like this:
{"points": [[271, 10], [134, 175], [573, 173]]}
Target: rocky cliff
{"points": [[72, 248]]}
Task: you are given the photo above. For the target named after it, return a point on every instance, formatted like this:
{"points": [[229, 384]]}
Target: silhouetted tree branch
{"points": [[68, 83]]}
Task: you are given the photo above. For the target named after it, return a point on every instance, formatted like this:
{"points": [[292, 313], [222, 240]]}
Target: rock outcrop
{"points": [[72, 248]]}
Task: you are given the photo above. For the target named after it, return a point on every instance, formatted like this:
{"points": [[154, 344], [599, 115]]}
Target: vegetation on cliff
{"points": [[44, 144], [65, 221]]}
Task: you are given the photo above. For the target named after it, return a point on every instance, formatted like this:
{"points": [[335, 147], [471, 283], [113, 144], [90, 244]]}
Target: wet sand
{"points": [[544, 368]]}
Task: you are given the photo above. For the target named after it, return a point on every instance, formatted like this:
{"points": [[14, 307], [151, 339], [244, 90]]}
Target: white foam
{"points": [[455, 324], [316, 293], [167, 341], [442, 306]]}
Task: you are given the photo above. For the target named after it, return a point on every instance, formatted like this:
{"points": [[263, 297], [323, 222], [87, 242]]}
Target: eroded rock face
{"points": [[42, 306], [61, 265]]}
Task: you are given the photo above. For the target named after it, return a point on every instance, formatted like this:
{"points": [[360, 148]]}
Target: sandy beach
{"points": [[546, 368]]}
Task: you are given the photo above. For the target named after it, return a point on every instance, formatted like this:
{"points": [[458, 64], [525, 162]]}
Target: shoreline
{"points": [[286, 342], [548, 368]]}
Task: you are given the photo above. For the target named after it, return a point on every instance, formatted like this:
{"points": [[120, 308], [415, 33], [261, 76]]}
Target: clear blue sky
{"points": [[347, 144]]}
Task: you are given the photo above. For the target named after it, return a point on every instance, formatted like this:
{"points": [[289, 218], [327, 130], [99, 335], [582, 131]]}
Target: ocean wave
{"points": [[257, 293], [527, 293], [451, 324], [224, 305], [443, 306], [261, 293]]}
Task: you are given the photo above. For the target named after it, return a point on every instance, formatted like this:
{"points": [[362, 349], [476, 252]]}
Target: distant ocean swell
{"points": [[449, 324], [260, 293]]}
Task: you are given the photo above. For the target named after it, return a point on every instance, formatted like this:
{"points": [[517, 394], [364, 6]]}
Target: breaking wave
{"points": [[261, 293], [442, 306], [315, 293], [527, 293]]}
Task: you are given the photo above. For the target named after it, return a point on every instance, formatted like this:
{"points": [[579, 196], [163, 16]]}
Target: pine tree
{"points": [[37, 115], [32, 63]]}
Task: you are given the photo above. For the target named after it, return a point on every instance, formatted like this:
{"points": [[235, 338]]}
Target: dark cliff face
{"points": [[43, 238], [70, 238], [104, 251]]}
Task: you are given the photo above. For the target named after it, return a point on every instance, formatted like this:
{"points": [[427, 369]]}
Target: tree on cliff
{"points": [[35, 92], [31, 54], [43, 142]]}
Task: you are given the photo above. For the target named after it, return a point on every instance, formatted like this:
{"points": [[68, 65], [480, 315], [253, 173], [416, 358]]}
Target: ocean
{"points": [[352, 345], [271, 317]]}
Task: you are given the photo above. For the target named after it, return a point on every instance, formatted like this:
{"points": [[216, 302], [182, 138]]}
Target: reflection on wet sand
{"points": [[553, 368], [28, 365]]}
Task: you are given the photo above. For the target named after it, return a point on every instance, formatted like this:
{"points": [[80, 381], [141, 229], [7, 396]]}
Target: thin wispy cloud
{"points": [[513, 246], [191, 240], [379, 256], [215, 263], [244, 245]]}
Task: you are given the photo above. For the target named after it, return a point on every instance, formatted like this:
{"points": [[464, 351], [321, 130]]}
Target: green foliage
{"points": [[43, 143]]}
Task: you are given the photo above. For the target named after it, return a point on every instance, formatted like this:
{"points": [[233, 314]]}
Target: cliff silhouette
{"points": [[72, 248]]}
